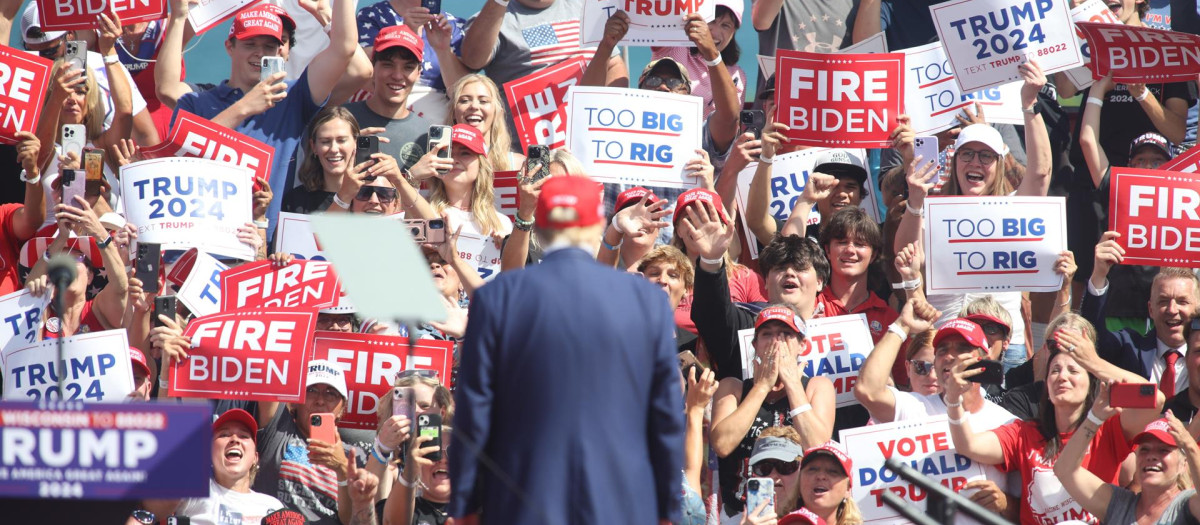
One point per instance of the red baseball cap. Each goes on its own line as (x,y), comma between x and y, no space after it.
(569,202)
(467,135)
(240,416)
(288,21)
(256,22)
(633,195)
(980,318)
(830,448)
(963,328)
(139,360)
(402,36)
(1158,429)
(801,516)
(781,313)
(697,194)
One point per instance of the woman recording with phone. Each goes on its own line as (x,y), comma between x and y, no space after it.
(1032,448)
(405,503)
(461,185)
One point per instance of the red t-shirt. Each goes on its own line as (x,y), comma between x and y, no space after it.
(1046,501)
(88,323)
(879,317)
(10,247)
(746,286)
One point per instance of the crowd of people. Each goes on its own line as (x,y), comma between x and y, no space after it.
(542,440)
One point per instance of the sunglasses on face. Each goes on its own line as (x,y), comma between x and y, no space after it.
(985,157)
(993,329)
(921,368)
(418,373)
(763,468)
(653,82)
(386,195)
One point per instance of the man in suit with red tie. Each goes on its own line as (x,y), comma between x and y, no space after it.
(568,402)
(1158,355)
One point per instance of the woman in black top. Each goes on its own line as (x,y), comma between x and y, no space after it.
(330,143)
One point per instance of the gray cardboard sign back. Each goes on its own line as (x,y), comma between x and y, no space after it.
(381,267)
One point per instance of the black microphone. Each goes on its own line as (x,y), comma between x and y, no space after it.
(61,271)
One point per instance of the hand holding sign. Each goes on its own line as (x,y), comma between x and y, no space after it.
(697,31)
(1034,79)
(109,30)
(615,29)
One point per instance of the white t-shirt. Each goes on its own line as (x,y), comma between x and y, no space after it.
(915,406)
(227,507)
(470,225)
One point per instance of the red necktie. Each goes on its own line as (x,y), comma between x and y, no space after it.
(1167,384)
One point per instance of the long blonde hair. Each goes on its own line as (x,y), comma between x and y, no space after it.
(998,187)
(93,114)
(498,140)
(483,207)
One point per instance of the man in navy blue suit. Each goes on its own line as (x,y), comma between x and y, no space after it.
(1158,355)
(568,402)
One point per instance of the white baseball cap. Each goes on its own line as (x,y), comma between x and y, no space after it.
(984,134)
(29,20)
(321,371)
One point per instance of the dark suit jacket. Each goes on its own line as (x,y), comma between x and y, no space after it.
(570,383)
(1123,348)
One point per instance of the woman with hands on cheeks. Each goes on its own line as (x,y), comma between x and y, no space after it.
(1032,448)
(1167,460)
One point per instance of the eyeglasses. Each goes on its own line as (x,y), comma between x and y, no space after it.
(921,368)
(673,84)
(329,394)
(386,195)
(432,374)
(763,468)
(328,320)
(985,157)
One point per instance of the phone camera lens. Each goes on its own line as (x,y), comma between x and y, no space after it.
(753,484)
(316,421)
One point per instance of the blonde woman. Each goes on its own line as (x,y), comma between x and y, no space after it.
(460,189)
(475,101)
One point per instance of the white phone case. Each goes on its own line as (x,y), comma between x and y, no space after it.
(74,136)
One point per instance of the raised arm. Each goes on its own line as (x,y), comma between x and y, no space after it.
(597,71)
(919,172)
(28,218)
(764,12)
(1089,131)
(699,395)
(328,67)
(722,123)
(480,42)
(109,304)
(118,82)
(516,248)
(1038,157)
(168,70)
(818,188)
(814,425)
(1170,120)
(732,415)
(983,447)
(1092,493)
(758,203)
(872,387)
(867,21)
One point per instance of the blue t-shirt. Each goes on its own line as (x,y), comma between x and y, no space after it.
(375,17)
(281,127)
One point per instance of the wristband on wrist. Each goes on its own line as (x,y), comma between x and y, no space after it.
(912,285)
(706,260)
(611,247)
(112,59)
(714,62)
(25,178)
(162,383)
(914,212)
(1095,101)
(382,448)
(1092,417)
(378,457)
(959,421)
(800,410)
(1145,94)
(613,223)
(898,329)
(104,244)
(503,3)
(344,482)
(337,201)
(400,479)
(766,159)
(952,405)
(522,224)
(263,224)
